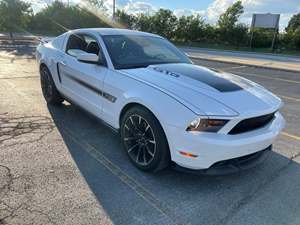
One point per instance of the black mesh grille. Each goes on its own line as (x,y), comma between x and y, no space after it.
(252,124)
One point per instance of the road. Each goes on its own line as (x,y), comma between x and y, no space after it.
(60,166)
(265,60)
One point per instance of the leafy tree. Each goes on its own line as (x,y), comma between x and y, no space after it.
(190,28)
(125,19)
(291,38)
(163,22)
(262,37)
(294,23)
(59,17)
(210,34)
(14,15)
(228,19)
(229,31)
(143,23)
(239,35)
(296,38)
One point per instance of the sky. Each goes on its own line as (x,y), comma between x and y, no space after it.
(210,10)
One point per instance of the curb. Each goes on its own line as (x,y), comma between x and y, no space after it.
(242,52)
(244,64)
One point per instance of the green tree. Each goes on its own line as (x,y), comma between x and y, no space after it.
(296,38)
(164,22)
(59,17)
(239,35)
(143,23)
(229,18)
(291,38)
(294,23)
(14,15)
(190,28)
(229,31)
(125,19)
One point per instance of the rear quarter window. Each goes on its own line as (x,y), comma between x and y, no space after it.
(58,42)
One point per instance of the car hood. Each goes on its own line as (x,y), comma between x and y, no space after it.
(208,92)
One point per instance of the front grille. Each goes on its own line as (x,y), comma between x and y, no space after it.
(252,124)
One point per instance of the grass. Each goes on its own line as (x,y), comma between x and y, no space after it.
(235,48)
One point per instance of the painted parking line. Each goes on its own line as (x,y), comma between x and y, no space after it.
(290,98)
(295,137)
(138,188)
(234,67)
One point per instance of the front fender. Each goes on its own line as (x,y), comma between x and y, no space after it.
(166,109)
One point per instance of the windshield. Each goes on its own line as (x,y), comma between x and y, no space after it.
(133,51)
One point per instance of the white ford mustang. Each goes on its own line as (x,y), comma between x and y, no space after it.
(165,108)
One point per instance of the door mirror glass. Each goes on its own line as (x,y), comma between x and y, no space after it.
(88,58)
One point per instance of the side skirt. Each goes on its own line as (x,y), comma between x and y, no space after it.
(115,130)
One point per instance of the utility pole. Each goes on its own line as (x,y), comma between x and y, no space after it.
(114,8)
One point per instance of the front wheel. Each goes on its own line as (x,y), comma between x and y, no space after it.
(144,140)
(49,89)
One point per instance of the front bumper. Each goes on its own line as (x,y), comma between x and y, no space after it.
(231,165)
(211,148)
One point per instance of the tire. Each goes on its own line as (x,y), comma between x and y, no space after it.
(144,140)
(49,89)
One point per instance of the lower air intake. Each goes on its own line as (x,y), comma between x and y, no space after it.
(252,124)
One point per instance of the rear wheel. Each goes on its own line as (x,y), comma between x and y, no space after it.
(144,140)
(49,89)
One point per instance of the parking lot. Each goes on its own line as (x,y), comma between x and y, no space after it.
(60,166)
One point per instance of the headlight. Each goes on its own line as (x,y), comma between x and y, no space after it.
(206,125)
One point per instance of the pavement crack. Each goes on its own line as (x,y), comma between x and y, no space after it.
(19,129)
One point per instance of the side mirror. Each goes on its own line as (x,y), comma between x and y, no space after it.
(88,58)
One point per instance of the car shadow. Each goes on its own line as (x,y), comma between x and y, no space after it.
(262,195)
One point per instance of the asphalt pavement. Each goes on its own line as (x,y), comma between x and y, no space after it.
(60,166)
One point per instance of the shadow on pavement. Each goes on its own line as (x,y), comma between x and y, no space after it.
(266,194)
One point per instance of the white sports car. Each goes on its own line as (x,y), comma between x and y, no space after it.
(165,108)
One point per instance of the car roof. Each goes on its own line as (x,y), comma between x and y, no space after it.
(114,31)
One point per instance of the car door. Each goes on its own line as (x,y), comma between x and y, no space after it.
(82,82)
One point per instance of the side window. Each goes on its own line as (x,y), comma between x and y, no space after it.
(92,45)
(78,43)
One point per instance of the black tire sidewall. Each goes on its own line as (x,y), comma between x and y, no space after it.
(162,155)
(55,98)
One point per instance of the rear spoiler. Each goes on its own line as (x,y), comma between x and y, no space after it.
(46,40)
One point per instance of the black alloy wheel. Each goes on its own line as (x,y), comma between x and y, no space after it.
(49,89)
(144,140)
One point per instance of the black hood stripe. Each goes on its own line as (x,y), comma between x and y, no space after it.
(197,73)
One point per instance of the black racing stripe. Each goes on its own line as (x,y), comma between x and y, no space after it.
(202,75)
(86,85)
(105,95)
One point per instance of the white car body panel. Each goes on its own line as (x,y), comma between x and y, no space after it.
(174,98)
